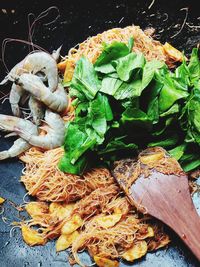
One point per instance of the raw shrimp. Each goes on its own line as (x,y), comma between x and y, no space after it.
(37,110)
(56,101)
(14,124)
(19,146)
(55,129)
(37,62)
(43,65)
(43,62)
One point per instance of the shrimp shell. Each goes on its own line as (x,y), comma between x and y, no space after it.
(14,124)
(37,110)
(56,101)
(14,98)
(19,146)
(37,62)
(55,132)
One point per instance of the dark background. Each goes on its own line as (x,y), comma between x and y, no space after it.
(74,22)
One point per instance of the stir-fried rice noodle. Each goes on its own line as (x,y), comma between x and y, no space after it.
(108,226)
(43,179)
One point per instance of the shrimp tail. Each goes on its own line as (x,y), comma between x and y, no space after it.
(16,149)
(4,155)
(55,132)
(4,81)
(56,53)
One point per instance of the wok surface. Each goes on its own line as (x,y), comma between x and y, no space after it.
(77,21)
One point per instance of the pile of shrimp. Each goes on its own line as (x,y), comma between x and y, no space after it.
(101,221)
(35,78)
(143,42)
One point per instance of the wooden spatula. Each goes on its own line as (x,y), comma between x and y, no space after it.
(156,184)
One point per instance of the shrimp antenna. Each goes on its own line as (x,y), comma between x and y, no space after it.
(45,13)
(31,27)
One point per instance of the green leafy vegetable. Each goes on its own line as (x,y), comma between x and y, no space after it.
(110,85)
(85,79)
(125,65)
(194,66)
(170,94)
(178,151)
(117,144)
(191,117)
(106,68)
(124,103)
(136,117)
(128,90)
(111,52)
(149,70)
(78,168)
(166,141)
(130,44)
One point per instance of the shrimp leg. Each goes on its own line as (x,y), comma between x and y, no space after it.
(19,146)
(37,110)
(14,98)
(55,132)
(56,101)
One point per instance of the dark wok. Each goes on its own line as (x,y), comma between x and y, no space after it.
(77,21)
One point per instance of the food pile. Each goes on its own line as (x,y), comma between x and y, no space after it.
(113,95)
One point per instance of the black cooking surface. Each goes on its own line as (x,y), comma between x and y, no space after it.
(69,24)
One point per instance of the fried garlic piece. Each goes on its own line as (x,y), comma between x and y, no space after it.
(32,237)
(172,52)
(138,250)
(2,200)
(36,208)
(73,224)
(65,241)
(108,221)
(61,211)
(104,262)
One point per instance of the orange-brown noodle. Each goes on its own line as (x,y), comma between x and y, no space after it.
(84,212)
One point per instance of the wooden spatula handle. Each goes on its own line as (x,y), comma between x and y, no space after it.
(167,198)
(182,216)
(187,226)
